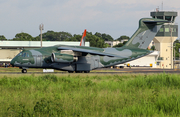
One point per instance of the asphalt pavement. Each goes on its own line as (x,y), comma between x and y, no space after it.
(111,71)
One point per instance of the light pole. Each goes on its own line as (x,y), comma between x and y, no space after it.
(170,28)
(172,65)
(41,27)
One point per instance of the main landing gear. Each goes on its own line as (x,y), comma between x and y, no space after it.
(24,71)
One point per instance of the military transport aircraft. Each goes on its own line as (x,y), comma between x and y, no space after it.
(84,59)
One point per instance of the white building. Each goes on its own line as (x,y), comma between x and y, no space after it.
(146,61)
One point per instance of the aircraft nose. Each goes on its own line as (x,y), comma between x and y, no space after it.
(12,62)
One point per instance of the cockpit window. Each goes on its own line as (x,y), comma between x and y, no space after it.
(20,54)
(23,54)
(27,55)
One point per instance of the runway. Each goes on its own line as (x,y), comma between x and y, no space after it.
(140,70)
(108,71)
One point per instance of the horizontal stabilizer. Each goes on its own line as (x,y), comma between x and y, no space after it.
(152,22)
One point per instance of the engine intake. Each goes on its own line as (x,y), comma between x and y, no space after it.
(63,58)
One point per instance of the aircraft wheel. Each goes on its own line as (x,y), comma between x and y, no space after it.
(24,71)
(70,71)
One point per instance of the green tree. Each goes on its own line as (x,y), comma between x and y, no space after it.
(23,37)
(105,37)
(95,41)
(37,38)
(153,48)
(122,37)
(2,37)
(56,36)
(98,34)
(124,42)
(119,45)
(176,47)
(74,38)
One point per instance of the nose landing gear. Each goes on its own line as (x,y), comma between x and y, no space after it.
(24,71)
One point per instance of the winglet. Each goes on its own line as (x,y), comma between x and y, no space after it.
(83,39)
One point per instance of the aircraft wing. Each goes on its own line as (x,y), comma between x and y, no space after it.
(88,51)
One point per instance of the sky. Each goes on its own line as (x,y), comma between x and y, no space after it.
(113,17)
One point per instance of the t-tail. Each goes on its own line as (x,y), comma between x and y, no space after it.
(148,28)
(83,39)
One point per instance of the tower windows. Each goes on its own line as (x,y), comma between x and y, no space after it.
(166,29)
(168,18)
(173,18)
(159,17)
(174,30)
(161,30)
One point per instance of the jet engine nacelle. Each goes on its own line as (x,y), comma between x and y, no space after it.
(63,58)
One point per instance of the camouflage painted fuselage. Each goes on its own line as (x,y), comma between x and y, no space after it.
(42,58)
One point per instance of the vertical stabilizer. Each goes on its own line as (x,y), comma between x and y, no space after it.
(83,39)
(148,28)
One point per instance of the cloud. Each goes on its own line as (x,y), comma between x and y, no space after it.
(114,17)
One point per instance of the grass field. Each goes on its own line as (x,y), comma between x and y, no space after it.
(89,95)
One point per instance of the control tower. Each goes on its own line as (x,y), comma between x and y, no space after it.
(165,38)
